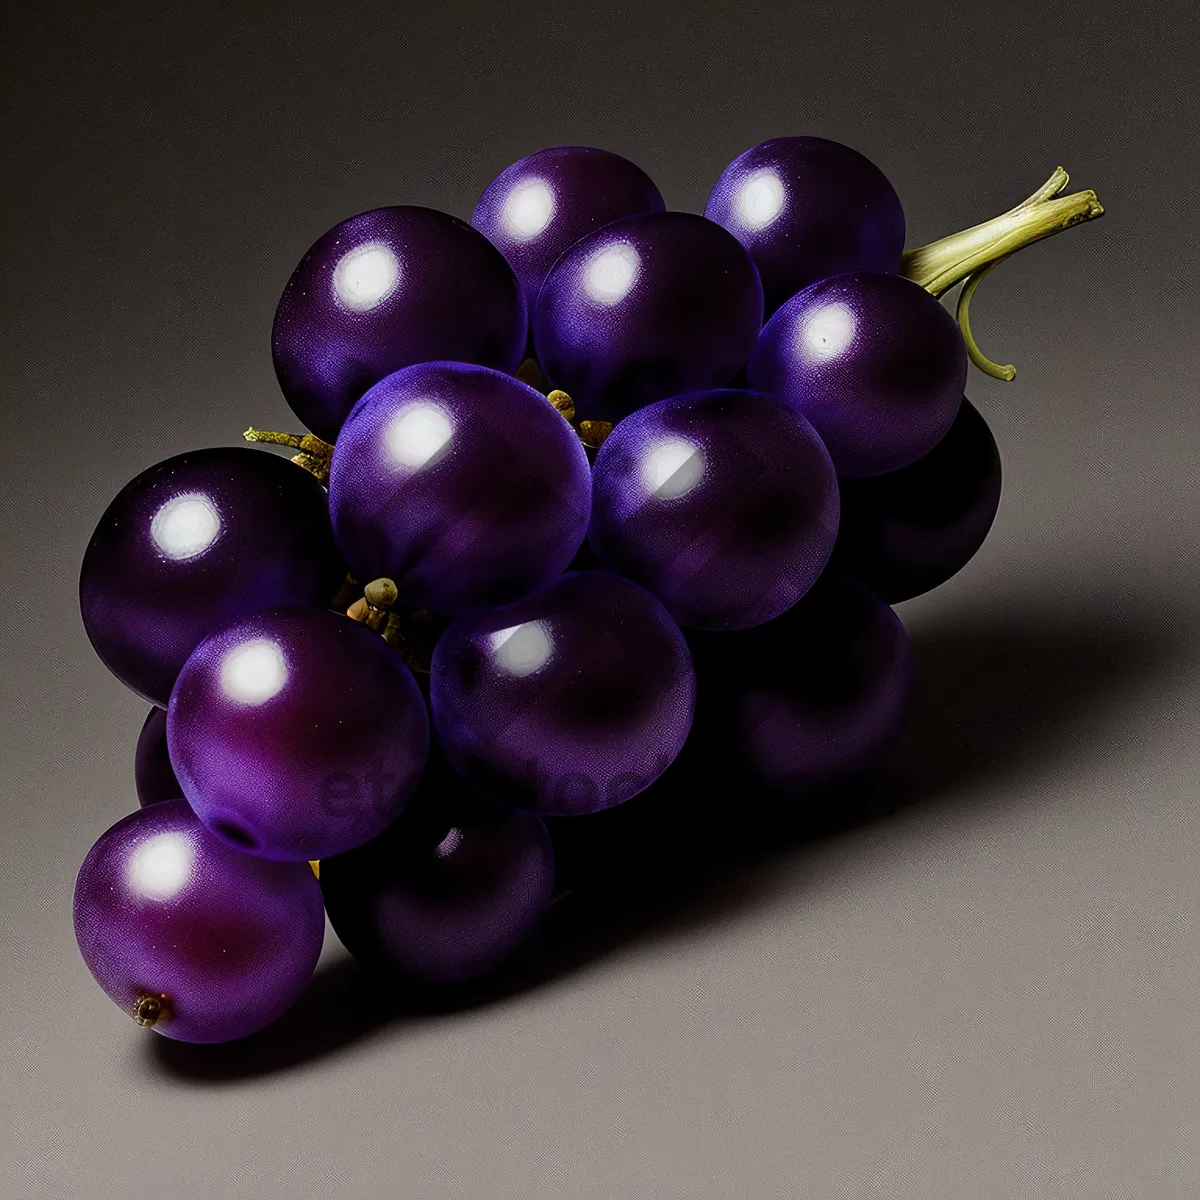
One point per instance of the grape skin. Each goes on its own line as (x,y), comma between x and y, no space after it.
(647,307)
(911,530)
(296,733)
(383,290)
(723,504)
(153,776)
(446,893)
(873,361)
(461,484)
(543,204)
(811,699)
(571,701)
(194,541)
(807,208)
(164,909)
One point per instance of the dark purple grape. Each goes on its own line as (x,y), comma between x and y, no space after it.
(153,775)
(461,484)
(812,698)
(540,206)
(195,541)
(906,532)
(200,941)
(807,208)
(297,733)
(386,289)
(647,307)
(873,361)
(446,893)
(724,504)
(569,702)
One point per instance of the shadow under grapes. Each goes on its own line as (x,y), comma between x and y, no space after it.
(1001,693)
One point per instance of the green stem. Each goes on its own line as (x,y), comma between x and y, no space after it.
(938,266)
(1007,372)
(966,257)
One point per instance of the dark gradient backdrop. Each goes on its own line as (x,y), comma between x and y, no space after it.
(992,992)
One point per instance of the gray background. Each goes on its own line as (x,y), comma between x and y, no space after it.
(990,988)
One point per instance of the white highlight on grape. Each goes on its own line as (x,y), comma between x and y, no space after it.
(826,332)
(672,467)
(522,649)
(365,276)
(528,209)
(418,435)
(254,671)
(161,865)
(611,273)
(185,526)
(760,199)
(449,843)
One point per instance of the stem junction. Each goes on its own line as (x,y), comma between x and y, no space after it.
(314,454)
(410,633)
(591,433)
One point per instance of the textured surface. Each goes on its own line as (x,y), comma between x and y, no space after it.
(813,697)
(873,361)
(992,993)
(195,540)
(647,307)
(462,485)
(910,530)
(296,733)
(545,202)
(807,208)
(723,504)
(448,892)
(223,941)
(385,289)
(569,702)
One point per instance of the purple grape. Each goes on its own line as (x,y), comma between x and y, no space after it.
(386,289)
(807,208)
(153,775)
(202,942)
(569,702)
(461,484)
(723,504)
(448,892)
(906,532)
(647,307)
(296,733)
(812,698)
(540,206)
(195,541)
(873,361)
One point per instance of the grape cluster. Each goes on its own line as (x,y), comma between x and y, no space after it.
(589,483)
